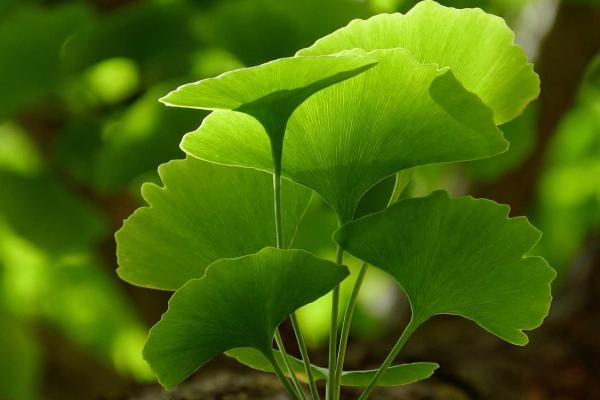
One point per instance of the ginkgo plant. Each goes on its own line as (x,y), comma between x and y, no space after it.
(368,101)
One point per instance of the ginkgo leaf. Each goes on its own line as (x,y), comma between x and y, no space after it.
(238,303)
(397,375)
(460,256)
(345,138)
(271,92)
(478,47)
(203,213)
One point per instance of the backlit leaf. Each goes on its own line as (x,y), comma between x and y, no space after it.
(345,138)
(271,92)
(478,48)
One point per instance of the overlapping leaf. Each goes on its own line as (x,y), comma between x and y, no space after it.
(401,374)
(238,303)
(478,47)
(458,256)
(292,77)
(271,92)
(347,137)
(203,213)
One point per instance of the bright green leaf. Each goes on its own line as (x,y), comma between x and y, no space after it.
(347,137)
(460,256)
(203,213)
(402,374)
(289,79)
(271,92)
(238,303)
(478,48)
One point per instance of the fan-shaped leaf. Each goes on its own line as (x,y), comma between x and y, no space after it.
(271,92)
(478,47)
(238,303)
(458,256)
(285,78)
(347,137)
(203,213)
(401,374)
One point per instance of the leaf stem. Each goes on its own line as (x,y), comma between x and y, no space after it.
(298,333)
(333,332)
(402,179)
(288,365)
(281,376)
(314,392)
(346,327)
(408,331)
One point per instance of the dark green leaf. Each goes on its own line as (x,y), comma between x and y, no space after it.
(238,303)
(458,256)
(203,213)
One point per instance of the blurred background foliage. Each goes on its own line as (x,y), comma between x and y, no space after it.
(81,129)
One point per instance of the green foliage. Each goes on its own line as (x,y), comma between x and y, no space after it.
(34,69)
(46,214)
(371,101)
(458,256)
(285,26)
(346,116)
(156,40)
(397,375)
(204,212)
(341,161)
(271,92)
(520,132)
(238,303)
(476,46)
(287,80)
(19,361)
(81,128)
(569,194)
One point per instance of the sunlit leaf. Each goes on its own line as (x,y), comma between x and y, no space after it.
(238,303)
(459,256)
(271,92)
(402,374)
(347,137)
(203,213)
(478,48)
(289,80)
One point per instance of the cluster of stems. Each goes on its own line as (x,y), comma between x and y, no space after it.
(337,350)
